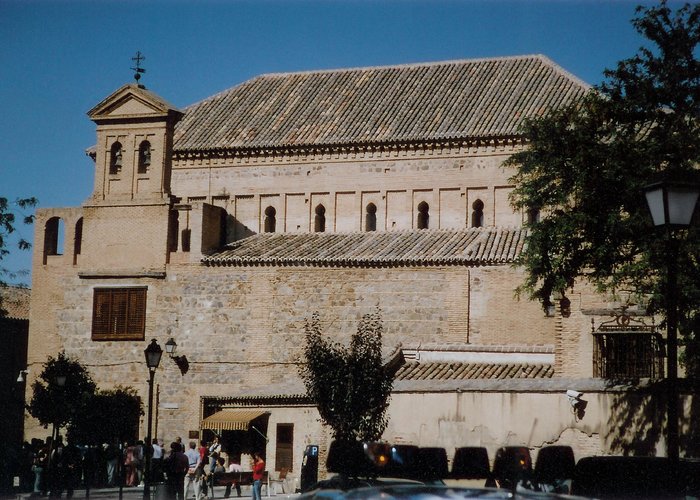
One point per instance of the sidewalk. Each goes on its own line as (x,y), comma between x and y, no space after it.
(133,493)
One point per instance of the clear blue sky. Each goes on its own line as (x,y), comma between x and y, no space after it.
(59,58)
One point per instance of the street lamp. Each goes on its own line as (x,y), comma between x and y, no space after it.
(153,353)
(672,205)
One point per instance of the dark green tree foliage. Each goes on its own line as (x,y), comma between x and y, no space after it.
(349,385)
(91,416)
(112,414)
(55,404)
(586,166)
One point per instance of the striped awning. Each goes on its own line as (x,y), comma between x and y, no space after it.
(231,420)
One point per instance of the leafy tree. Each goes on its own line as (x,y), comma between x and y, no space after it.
(53,404)
(586,166)
(112,414)
(350,386)
(8,225)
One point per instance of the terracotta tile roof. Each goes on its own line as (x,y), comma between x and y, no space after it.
(473,371)
(462,99)
(15,301)
(479,246)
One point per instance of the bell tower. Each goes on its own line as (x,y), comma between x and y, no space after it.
(127,216)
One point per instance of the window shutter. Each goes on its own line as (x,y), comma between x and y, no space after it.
(119,313)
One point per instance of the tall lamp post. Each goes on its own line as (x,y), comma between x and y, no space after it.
(672,205)
(153,353)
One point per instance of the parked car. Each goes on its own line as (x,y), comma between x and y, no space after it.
(383,471)
(614,477)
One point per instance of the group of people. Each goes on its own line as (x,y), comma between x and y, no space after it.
(52,469)
(196,467)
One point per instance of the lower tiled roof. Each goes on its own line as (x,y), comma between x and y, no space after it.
(473,371)
(14,302)
(471,247)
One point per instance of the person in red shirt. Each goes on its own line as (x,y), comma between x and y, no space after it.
(258,471)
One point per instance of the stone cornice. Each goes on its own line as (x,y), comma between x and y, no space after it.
(293,153)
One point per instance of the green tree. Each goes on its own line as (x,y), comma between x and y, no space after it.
(349,386)
(586,166)
(112,414)
(56,404)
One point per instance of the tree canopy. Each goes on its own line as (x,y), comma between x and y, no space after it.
(350,386)
(53,403)
(91,416)
(586,166)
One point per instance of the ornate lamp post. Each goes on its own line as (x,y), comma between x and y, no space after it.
(672,205)
(153,353)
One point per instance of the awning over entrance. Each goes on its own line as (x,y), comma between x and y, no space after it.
(231,420)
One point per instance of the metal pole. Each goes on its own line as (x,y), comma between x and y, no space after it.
(147,469)
(672,445)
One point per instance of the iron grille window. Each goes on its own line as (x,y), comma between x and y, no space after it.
(627,350)
(119,313)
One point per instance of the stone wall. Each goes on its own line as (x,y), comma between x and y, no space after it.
(243,328)
(395,181)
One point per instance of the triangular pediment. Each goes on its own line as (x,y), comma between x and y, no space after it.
(131,102)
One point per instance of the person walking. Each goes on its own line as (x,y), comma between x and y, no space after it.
(176,466)
(193,460)
(41,456)
(258,472)
(156,462)
(111,454)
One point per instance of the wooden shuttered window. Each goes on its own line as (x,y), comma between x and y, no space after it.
(119,313)
(285,447)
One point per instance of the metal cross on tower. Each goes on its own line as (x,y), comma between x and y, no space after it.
(138,58)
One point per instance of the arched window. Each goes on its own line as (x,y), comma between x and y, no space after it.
(478,213)
(320,219)
(144,157)
(423,215)
(533,216)
(270,219)
(371,217)
(53,237)
(115,158)
(78,240)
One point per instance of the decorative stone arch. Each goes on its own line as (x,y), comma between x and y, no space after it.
(144,159)
(320,219)
(533,216)
(477,214)
(423,221)
(115,158)
(54,232)
(371,217)
(270,224)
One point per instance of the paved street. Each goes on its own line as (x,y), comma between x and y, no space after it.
(134,493)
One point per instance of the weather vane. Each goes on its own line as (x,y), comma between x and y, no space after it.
(138,67)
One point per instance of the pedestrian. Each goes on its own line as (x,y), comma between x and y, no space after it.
(175,467)
(214,452)
(156,462)
(193,460)
(111,453)
(130,463)
(258,472)
(41,456)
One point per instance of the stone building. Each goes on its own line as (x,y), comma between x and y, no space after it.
(14,329)
(226,224)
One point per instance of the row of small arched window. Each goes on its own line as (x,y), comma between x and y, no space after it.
(423,217)
(144,158)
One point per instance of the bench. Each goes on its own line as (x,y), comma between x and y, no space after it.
(241,478)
